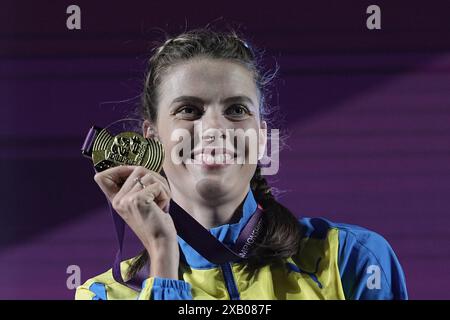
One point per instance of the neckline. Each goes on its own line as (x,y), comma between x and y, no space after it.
(226,233)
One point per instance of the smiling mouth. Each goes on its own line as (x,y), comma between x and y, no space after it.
(212,157)
(209,159)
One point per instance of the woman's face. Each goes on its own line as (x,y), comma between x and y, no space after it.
(212,100)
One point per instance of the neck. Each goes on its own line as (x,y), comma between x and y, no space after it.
(209,213)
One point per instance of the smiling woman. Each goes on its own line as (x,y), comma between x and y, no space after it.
(208,79)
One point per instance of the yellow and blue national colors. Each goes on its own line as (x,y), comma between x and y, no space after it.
(335,261)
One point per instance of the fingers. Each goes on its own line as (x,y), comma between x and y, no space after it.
(110,181)
(120,180)
(161,179)
(146,176)
(120,186)
(129,184)
(139,202)
(153,192)
(142,173)
(152,177)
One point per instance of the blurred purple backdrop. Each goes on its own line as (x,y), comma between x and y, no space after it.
(368,114)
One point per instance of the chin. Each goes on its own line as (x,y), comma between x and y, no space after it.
(212,188)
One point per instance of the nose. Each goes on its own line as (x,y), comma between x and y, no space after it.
(212,126)
(212,135)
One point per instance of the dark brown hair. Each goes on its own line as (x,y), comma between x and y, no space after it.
(280,236)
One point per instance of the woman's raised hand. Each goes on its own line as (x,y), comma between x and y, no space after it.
(141,197)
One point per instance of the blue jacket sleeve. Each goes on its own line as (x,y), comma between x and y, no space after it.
(368,266)
(156,288)
(153,288)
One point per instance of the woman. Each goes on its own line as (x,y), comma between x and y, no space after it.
(213,78)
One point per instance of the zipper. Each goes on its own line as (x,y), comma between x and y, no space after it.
(229,281)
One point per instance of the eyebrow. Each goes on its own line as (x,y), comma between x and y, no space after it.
(240,98)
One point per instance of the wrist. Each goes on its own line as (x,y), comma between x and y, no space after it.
(162,247)
(164,263)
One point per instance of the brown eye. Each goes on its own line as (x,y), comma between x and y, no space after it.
(188,111)
(237,110)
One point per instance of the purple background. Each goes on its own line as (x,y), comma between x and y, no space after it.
(368,114)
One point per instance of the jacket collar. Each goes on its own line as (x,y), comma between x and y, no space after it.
(226,233)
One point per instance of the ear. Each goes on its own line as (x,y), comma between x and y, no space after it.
(262,139)
(149,130)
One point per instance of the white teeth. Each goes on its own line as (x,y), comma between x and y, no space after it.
(219,158)
(227,158)
(198,158)
(210,159)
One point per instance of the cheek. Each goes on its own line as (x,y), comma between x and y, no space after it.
(175,139)
(165,137)
(247,139)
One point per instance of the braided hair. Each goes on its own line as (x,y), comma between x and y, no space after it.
(281,233)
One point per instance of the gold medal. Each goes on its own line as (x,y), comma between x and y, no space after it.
(125,148)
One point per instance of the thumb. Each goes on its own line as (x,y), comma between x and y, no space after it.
(110,181)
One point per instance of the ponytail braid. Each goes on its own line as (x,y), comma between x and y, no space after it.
(281,232)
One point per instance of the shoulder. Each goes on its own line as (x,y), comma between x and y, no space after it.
(104,287)
(349,235)
(368,266)
(95,287)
